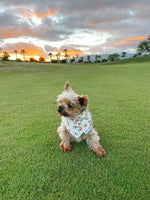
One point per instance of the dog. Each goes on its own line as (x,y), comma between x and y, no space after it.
(76,124)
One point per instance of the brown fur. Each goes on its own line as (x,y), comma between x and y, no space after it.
(83,100)
(77,103)
(65,149)
(66,87)
(99,151)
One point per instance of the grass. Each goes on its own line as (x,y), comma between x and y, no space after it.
(129,61)
(31,164)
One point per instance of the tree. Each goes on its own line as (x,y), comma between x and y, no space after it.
(0,53)
(88,58)
(80,60)
(33,59)
(139,53)
(16,52)
(66,55)
(23,52)
(143,47)
(41,59)
(123,54)
(72,60)
(104,60)
(63,61)
(5,56)
(53,61)
(135,55)
(58,56)
(97,58)
(113,57)
(50,56)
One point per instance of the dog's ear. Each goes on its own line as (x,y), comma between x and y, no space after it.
(83,100)
(66,87)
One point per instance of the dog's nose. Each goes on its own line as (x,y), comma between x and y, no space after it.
(60,109)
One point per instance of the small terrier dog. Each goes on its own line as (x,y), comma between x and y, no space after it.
(76,122)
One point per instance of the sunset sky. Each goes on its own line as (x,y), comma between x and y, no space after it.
(83,27)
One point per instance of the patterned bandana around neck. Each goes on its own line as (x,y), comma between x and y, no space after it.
(81,124)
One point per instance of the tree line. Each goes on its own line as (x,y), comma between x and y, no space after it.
(143,49)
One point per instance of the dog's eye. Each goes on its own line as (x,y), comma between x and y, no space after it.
(69,105)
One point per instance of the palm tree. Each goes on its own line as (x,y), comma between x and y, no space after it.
(66,55)
(23,53)
(16,54)
(50,56)
(0,53)
(58,56)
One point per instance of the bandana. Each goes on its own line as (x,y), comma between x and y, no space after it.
(81,124)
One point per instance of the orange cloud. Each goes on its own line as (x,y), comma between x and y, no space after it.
(130,40)
(29,14)
(93,23)
(68,13)
(31,50)
(105,30)
(16,32)
(50,12)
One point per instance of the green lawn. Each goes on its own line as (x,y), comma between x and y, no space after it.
(31,164)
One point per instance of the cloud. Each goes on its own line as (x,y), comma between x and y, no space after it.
(85,25)
(49,48)
(8,20)
(27,13)
(128,44)
(131,40)
(1,42)
(31,50)
(49,12)
(17,32)
(70,52)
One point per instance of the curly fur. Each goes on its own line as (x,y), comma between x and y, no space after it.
(77,103)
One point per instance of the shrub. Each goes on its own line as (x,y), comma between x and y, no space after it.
(104,60)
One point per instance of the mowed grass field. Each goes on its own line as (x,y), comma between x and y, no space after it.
(31,164)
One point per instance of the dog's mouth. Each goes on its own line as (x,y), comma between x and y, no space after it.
(65,114)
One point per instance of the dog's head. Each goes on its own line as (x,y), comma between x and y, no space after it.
(69,103)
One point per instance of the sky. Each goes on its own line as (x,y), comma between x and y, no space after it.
(83,27)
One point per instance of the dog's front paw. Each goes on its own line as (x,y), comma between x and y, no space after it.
(65,148)
(100,152)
